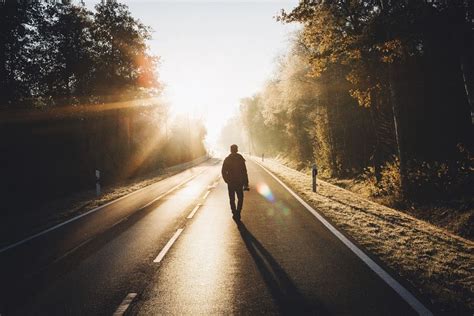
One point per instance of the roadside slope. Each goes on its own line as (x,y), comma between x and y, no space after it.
(21,225)
(439,264)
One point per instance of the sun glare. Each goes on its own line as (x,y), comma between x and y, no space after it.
(198,103)
(210,58)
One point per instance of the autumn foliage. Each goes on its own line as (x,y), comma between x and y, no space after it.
(374,85)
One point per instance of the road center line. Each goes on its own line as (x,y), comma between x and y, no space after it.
(168,245)
(169,191)
(387,278)
(205,195)
(125,304)
(193,211)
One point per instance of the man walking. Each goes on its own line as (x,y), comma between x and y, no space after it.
(234,173)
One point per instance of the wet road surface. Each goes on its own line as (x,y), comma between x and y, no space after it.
(278,260)
(183,254)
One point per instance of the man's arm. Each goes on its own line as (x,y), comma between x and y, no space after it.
(244,172)
(224,170)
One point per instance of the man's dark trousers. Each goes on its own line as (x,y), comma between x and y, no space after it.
(233,190)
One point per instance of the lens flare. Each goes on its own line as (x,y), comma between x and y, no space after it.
(265,191)
(283,208)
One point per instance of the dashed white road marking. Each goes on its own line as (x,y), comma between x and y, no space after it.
(193,211)
(168,245)
(387,278)
(205,195)
(168,192)
(125,304)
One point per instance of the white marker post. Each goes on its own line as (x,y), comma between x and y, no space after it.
(97,182)
(314,173)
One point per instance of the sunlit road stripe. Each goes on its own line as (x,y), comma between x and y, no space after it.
(167,247)
(193,211)
(125,304)
(215,183)
(394,284)
(169,191)
(205,195)
(93,211)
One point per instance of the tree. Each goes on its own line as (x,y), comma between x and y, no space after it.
(13,23)
(123,66)
(63,54)
(71,29)
(382,44)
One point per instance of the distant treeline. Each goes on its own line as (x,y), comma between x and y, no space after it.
(55,54)
(375,88)
(56,152)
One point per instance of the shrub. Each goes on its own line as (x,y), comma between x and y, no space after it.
(426,181)
(442,180)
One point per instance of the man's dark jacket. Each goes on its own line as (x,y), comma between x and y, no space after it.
(234,171)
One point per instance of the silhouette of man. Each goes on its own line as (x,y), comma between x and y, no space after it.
(234,173)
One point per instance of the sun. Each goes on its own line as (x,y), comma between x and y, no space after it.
(197,103)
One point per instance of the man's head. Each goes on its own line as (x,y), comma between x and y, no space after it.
(234,148)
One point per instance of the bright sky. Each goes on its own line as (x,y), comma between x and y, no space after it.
(214,53)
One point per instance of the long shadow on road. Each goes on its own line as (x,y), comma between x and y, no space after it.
(286,295)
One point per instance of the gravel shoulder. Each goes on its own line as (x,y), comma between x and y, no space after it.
(436,262)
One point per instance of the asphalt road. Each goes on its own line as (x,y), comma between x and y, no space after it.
(183,254)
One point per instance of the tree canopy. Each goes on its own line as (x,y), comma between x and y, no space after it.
(369,84)
(61,54)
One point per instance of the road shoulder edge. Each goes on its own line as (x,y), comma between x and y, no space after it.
(188,165)
(401,290)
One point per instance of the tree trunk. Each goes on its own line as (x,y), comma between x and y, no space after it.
(398,130)
(376,159)
(468,83)
(3,78)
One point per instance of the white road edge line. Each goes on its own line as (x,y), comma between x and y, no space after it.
(168,245)
(18,243)
(125,304)
(387,278)
(193,211)
(205,195)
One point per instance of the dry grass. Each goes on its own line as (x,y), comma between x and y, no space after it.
(456,216)
(436,262)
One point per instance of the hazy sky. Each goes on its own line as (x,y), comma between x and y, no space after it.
(214,53)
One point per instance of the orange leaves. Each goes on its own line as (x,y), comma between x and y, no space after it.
(390,50)
(146,66)
(354,54)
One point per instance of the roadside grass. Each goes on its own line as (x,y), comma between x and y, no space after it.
(456,216)
(26,223)
(439,264)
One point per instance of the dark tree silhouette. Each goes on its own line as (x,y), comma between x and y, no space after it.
(61,54)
